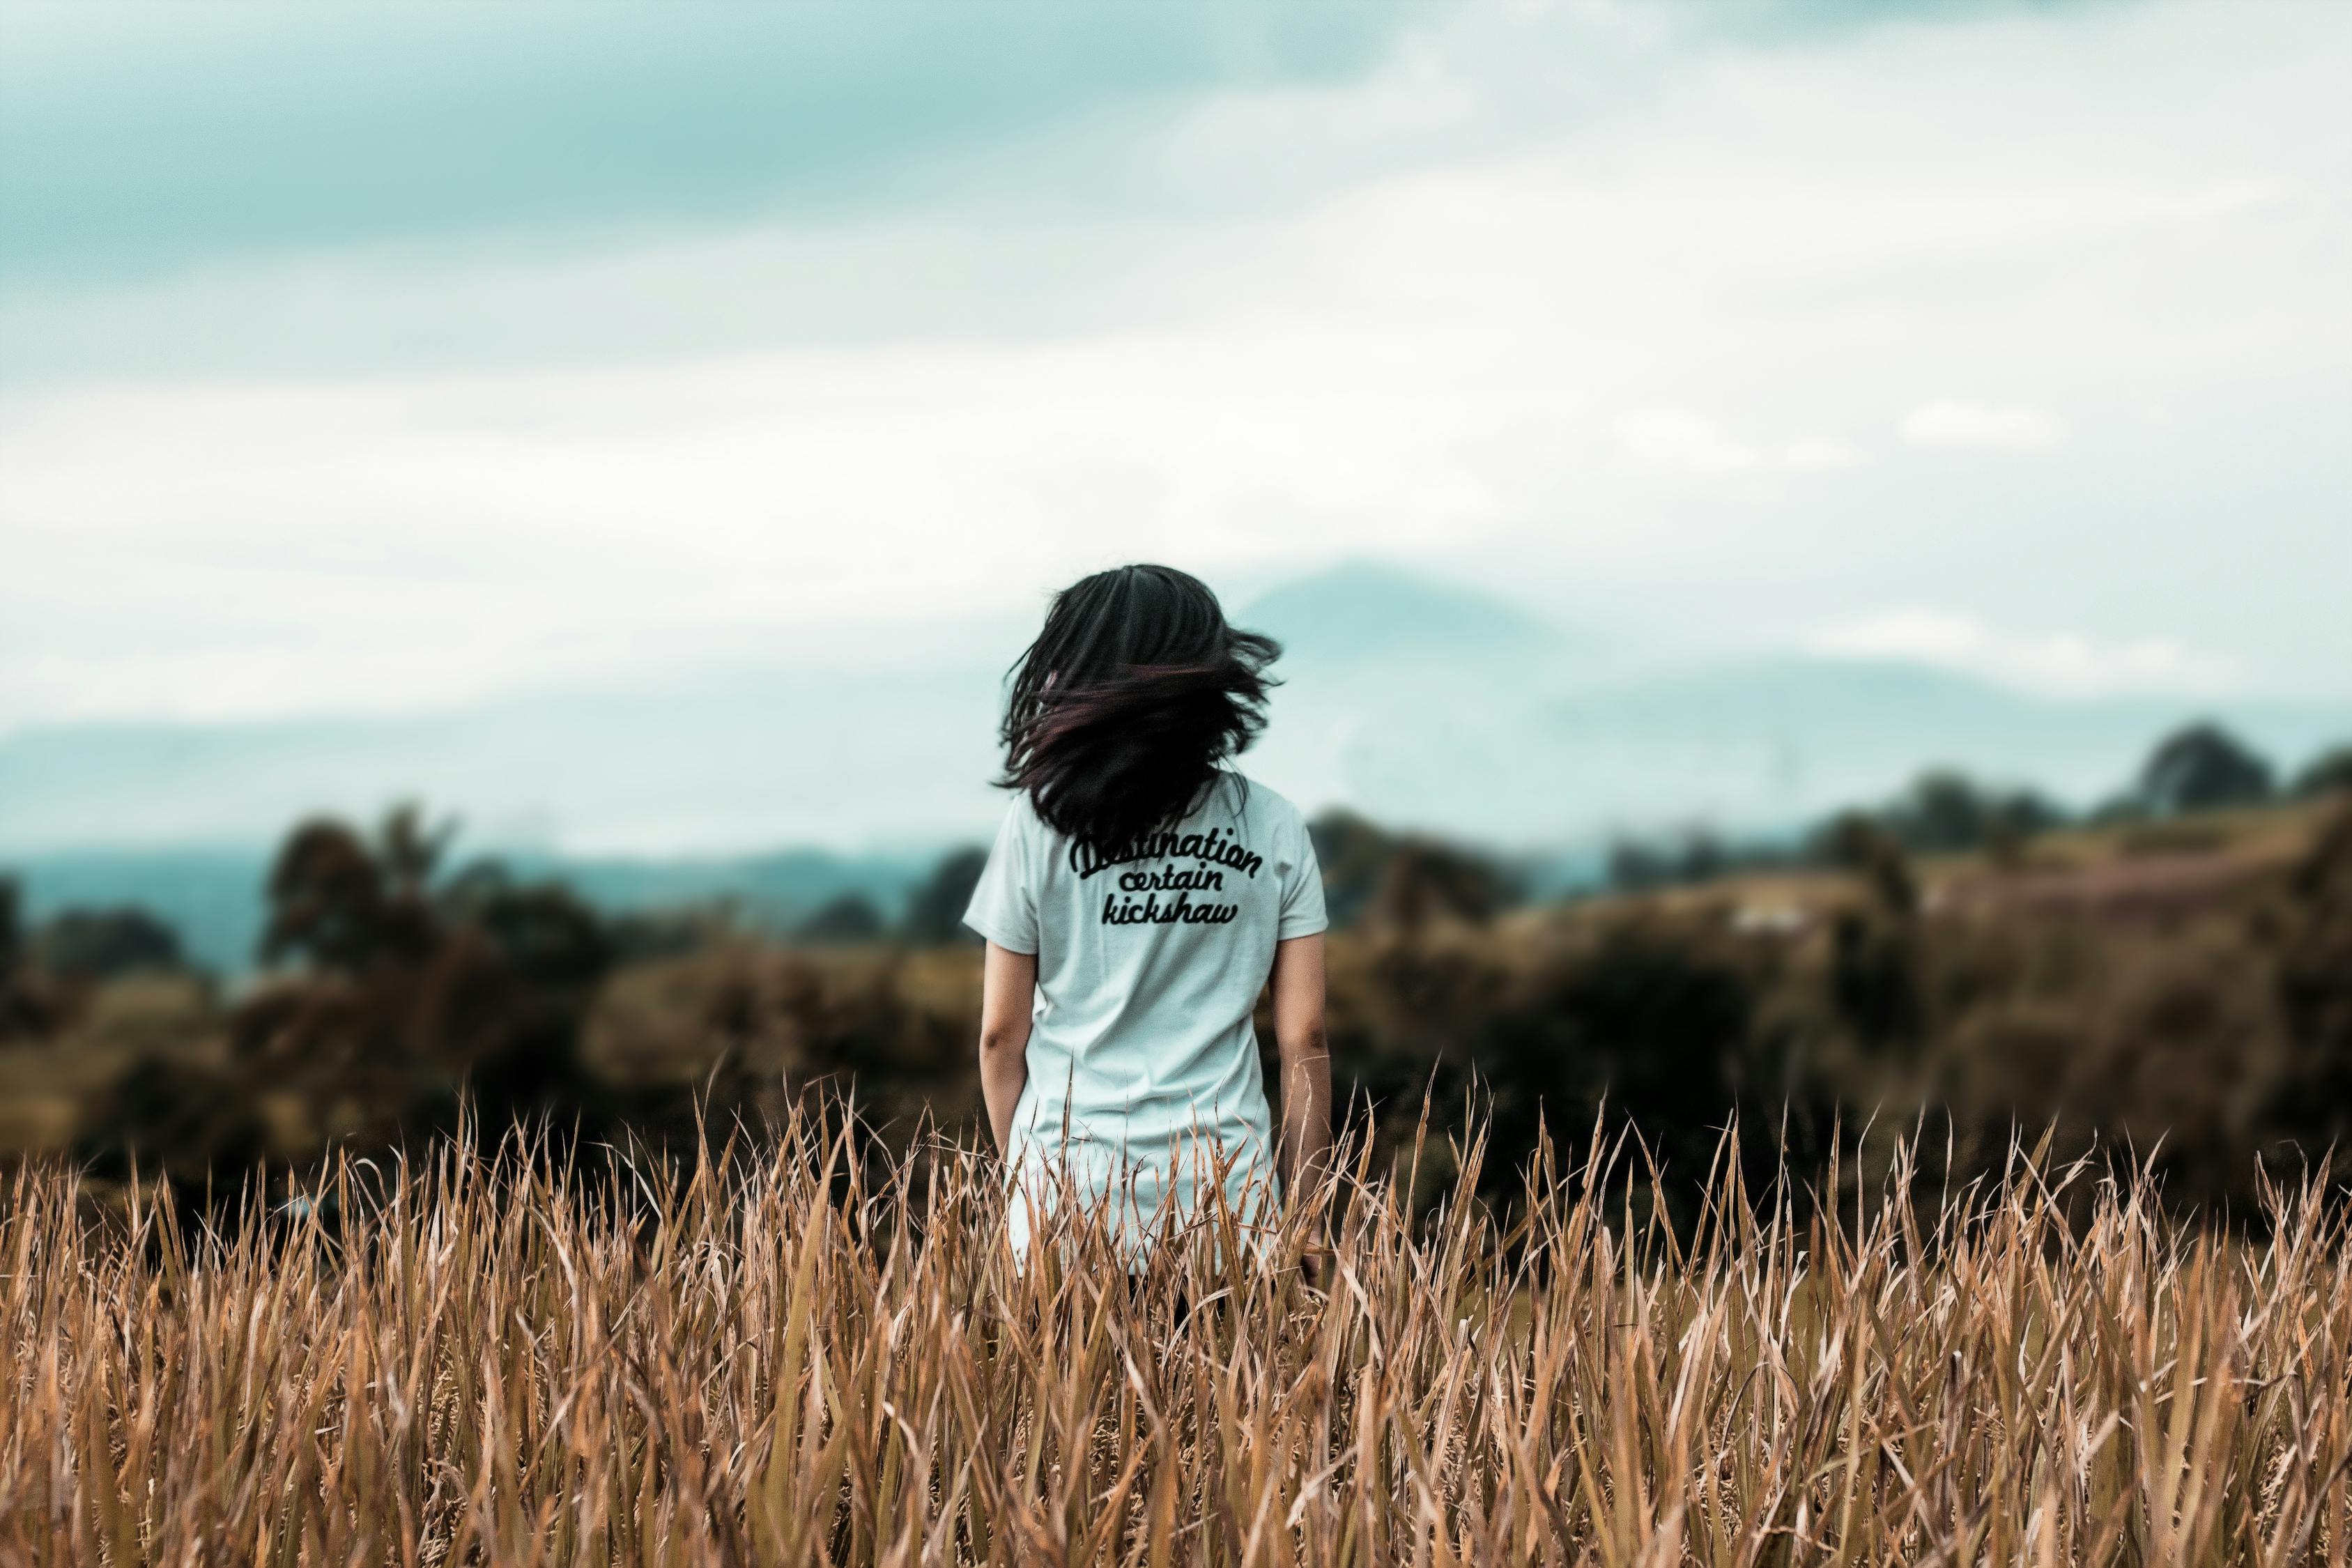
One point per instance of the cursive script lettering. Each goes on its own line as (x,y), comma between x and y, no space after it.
(1151,912)
(1212,847)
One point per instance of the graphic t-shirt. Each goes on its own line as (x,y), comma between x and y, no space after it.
(1143,1062)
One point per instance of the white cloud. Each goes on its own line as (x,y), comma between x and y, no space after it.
(427,540)
(651,449)
(1682,441)
(1821,455)
(2006,430)
(1666,438)
(2058,664)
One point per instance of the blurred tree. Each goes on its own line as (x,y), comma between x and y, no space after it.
(2015,821)
(2006,835)
(410,851)
(1425,882)
(1873,980)
(2203,768)
(22,1010)
(2026,814)
(935,914)
(2315,987)
(342,905)
(416,991)
(2330,773)
(2120,810)
(541,929)
(1947,812)
(1857,842)
(1699,854)
(1874,959)
(1943,811)
(1403,880)
(1659,1026)
(1354,854)
(102,944)
(851,918)
(1703,857)
(639,936)
(1635,866)
(180,1118)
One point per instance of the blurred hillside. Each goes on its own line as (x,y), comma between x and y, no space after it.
(2170,978)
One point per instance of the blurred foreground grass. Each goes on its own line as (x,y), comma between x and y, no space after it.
(802,1355)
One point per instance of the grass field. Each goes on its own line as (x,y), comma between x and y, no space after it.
(785,1358)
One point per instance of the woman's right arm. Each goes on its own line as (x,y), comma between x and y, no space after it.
(1008,993)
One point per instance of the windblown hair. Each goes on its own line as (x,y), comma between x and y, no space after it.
(1122,711)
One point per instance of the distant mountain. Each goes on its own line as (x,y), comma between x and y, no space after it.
(211,897)
(1789,737)
(1420,702)
(1364,608)
(785,757)
(774,891)
(1515,748)
(215,897)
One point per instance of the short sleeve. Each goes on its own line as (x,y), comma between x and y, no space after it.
(1003,906)
(1302,889)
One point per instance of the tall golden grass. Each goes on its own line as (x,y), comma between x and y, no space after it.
(799,1356)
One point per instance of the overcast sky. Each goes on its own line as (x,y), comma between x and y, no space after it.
(390,358)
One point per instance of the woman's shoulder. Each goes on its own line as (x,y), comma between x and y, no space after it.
(1262,803)
(1022,821)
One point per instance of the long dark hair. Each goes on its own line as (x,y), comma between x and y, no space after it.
(1123,708)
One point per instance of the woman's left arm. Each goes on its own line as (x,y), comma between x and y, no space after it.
(1304,1051)
(1008,992)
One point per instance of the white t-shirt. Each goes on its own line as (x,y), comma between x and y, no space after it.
(1143,1063)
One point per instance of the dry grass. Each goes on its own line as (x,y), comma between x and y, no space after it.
(501,1360)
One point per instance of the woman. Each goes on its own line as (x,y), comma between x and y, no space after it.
(1139,895)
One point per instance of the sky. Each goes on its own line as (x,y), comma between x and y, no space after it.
(396,359)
